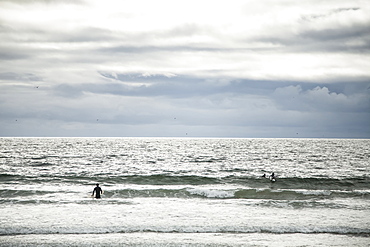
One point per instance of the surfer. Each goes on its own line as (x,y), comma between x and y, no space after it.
(272,177)
(98,191)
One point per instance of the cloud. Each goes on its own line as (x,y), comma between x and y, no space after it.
(44,1)
(248,69)
(339,29)
(321,99)
(329,13)
(19,77)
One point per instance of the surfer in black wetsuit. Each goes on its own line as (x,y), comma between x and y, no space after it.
(272,177)
(98,191)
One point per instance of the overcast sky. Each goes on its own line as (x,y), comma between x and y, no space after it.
(251,68)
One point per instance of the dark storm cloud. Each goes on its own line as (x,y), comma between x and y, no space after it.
(233,85)
(337,39)
(180,85)
(156,86)
(348,39)
(288,95)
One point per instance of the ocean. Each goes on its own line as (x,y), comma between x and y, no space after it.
(184,192)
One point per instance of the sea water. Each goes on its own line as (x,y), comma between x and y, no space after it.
(184,192)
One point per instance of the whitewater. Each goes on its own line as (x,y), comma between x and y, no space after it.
(184,192)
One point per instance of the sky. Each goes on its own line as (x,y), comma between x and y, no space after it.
(163,68)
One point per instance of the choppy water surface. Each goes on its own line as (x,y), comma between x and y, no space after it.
(176,192)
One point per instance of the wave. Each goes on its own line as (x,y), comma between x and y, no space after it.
(193,229)
(355,183)
(295,198)
(22,193)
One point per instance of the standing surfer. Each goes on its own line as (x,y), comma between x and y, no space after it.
(98,191)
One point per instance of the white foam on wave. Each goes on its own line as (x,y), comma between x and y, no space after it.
(315,192)
(212,193)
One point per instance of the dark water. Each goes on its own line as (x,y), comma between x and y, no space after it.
(192,192)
